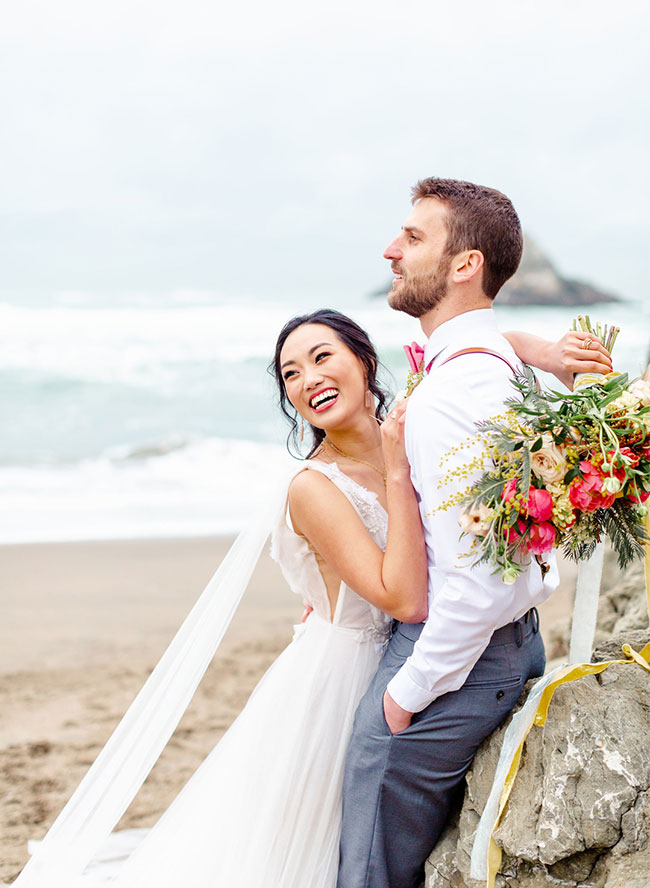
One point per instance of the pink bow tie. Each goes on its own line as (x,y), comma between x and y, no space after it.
(415,356)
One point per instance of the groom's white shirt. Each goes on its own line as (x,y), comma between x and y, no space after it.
(466,604)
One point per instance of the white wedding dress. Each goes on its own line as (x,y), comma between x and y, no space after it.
(264,808)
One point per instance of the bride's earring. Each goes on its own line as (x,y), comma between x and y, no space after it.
(368,399)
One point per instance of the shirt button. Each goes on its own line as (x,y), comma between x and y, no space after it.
(500,694)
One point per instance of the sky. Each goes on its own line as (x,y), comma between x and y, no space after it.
(269,148)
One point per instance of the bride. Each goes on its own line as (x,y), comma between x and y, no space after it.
(264,807)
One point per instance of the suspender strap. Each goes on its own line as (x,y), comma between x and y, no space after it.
(485,351)
(476,351)
(479,351)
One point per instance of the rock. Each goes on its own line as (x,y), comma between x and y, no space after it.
(537,282)
(579,812)
(622,606)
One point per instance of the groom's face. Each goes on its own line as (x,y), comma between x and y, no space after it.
(419,260)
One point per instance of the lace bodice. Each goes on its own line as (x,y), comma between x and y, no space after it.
(300,568)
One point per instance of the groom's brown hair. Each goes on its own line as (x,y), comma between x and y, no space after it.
(478,218)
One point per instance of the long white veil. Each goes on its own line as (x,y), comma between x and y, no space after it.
(122,766)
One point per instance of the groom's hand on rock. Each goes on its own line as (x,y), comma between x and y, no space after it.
(397,718)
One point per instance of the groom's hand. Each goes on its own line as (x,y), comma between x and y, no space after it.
(397,718)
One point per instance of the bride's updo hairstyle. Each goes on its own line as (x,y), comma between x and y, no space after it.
(357,340)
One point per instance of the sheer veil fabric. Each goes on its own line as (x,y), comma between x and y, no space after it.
(264,808)
(121,768)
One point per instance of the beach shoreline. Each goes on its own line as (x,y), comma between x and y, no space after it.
(84,623)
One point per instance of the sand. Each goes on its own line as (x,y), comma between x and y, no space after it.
(83,624)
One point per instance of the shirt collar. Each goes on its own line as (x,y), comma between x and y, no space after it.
(456,331)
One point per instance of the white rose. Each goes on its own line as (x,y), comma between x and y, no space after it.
(509,575)
(628,400)
(476,519)
(641,390)
(611,485)
(548,463)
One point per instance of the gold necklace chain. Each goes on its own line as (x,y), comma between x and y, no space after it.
(338,450)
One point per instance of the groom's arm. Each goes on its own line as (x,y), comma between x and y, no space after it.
(466,603)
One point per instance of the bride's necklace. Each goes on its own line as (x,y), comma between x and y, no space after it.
(338,450)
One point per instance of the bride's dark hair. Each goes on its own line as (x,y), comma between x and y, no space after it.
(357,340)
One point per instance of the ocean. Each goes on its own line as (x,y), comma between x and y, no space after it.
(155,416)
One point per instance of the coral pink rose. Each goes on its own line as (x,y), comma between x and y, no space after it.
(585,492)
(541,538)
(618,471)
(539,504)
(631,455)
(509,491)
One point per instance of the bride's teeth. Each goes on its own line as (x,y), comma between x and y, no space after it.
(322,396)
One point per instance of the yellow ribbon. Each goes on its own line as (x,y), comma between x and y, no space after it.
(647,562)
(564,676)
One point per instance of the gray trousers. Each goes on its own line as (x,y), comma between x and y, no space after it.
(398,788)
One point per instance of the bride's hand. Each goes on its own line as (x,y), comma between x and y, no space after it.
(392,441)
(568,356)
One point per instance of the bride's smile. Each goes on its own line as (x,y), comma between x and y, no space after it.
(324,380)
(324,399)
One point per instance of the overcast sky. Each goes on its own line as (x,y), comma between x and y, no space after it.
(269,147)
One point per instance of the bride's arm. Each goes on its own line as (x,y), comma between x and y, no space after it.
(405,558)
(395,580)
(564,357)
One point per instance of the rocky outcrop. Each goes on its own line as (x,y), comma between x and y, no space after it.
(537,282)
(621,608)
(579,813)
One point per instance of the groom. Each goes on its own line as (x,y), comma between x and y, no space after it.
(445,684)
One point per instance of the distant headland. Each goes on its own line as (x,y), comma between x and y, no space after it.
(537,282)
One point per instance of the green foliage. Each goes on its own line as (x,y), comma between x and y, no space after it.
(584,426)
(625,529)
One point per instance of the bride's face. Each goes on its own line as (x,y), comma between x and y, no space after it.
(323,378)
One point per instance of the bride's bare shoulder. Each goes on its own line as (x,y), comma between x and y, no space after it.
(318,507)
(308,479)
(311,483)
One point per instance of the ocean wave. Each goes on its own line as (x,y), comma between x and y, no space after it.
(134,345)
(128,453)
(146,345)
(200,487)
(133,382)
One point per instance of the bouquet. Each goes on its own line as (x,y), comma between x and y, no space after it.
(561,470)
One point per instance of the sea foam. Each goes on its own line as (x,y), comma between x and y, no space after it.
(201,488)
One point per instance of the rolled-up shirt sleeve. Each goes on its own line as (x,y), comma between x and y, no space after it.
(466,603)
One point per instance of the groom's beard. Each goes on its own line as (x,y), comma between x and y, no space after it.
(419,294)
